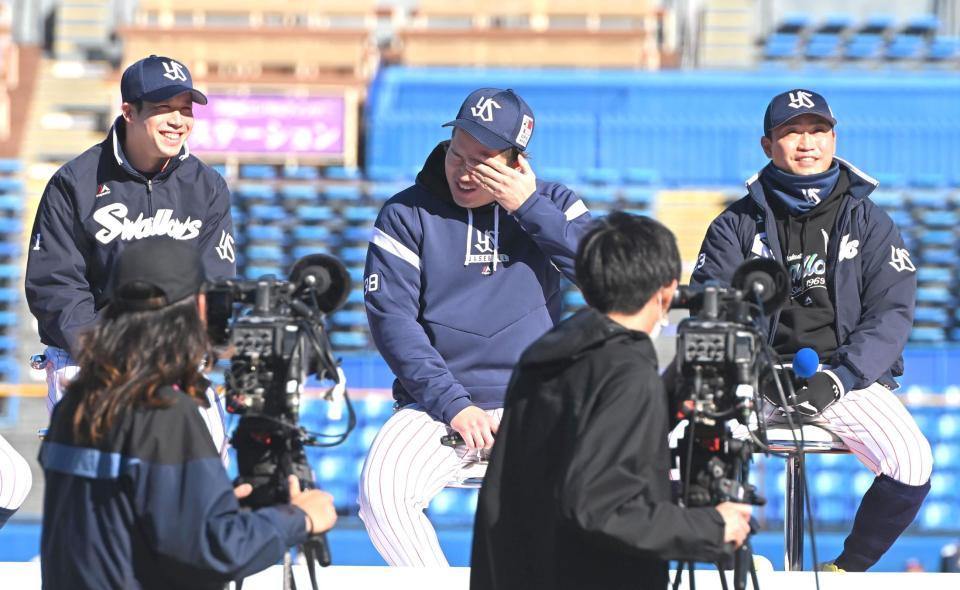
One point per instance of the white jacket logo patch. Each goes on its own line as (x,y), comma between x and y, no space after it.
(848,250)
(115,224)
(900,259)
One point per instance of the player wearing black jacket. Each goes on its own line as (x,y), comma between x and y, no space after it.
(577,494)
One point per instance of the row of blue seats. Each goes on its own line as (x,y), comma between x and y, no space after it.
(688,127)
(826,46)
(876,24)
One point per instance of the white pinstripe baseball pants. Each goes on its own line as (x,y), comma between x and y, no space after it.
(405,468)
(15,477)
(879,430)
(61,369)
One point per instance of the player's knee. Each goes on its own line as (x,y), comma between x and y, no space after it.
(926,463)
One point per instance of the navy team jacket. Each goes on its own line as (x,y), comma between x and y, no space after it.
(453,296)
(95,204)
(150,507)
(873,282)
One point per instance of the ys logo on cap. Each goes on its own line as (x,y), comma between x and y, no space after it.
(484,109)
(174,71)
(801,100)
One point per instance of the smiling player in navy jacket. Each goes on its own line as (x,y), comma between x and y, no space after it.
(463,273)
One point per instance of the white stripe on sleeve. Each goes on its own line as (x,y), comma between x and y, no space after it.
(575,210)
(389,244)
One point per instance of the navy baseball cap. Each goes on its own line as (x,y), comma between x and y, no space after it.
(793,103)
(153,273)
(156,78)
(499,119)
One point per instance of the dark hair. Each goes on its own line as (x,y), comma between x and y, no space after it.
(129,356)
(622,261)
(136,104)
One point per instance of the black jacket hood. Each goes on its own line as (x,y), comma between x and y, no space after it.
(432,177)
(582,332)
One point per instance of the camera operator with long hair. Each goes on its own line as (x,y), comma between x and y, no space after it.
(136,495)
(577,494)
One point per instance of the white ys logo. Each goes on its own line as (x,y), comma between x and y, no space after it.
(900,259)
(484,109)
(174,71)
(801,100)
(484,241)
(848,250)
(225,248)
(113,219)
(812,195)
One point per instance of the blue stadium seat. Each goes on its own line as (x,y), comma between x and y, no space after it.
(781,46)
(938,515)
(939,219)
(342,192)
(381,191)
(9,271)
(353,254)
(248,191)
(934,274)
(822,46)
(11,225)
(386,174)
(11,203)
(921,25)
(356,295)
(301,173)
(258,171)
(937,238)
(297,193)
(641,176)
(929,180)
(356,234)
(267,213)
(265,253)
(888,199)
(565,176)
(343,173)
(930,315)
(356,273)
(794,23)
(601,176)
(301,250)
(948,429)
(878,24)
(906,47)
(943,49)
(946,455)
(8,318)
(264,233)
(8,344)
(262,270)
(933,295)
(349,318)
(927,334)
(375,410)
(836,24)
(361,214)
(311,233)
(944,485)
(349,339)
(9,249)
(315,213)
(573,298)
(10,166)
(454,505)
(946,257)
(11,185)
(863,47)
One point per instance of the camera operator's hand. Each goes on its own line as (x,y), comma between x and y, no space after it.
(736,522)
(475,426)
(242,491)
(821,391)
(318,505)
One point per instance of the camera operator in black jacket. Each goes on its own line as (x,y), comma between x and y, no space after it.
(577,494)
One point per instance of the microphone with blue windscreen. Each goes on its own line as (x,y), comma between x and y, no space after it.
(805,363)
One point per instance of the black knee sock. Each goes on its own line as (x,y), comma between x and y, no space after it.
(5,514)
(886,510)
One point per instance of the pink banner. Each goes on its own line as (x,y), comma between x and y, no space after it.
(311,126)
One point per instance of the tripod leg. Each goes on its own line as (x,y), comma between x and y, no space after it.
(723,576)
(288,582)
(679,575)
(742,563)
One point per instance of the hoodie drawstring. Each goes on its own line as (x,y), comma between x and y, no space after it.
(466,255)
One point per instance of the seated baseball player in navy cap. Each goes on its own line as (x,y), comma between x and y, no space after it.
(136,496)
(463,272)
(853,292)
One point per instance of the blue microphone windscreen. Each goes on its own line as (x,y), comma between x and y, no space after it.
(805,363)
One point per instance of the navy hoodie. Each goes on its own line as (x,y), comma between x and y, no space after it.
(98,202)
(455,295)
